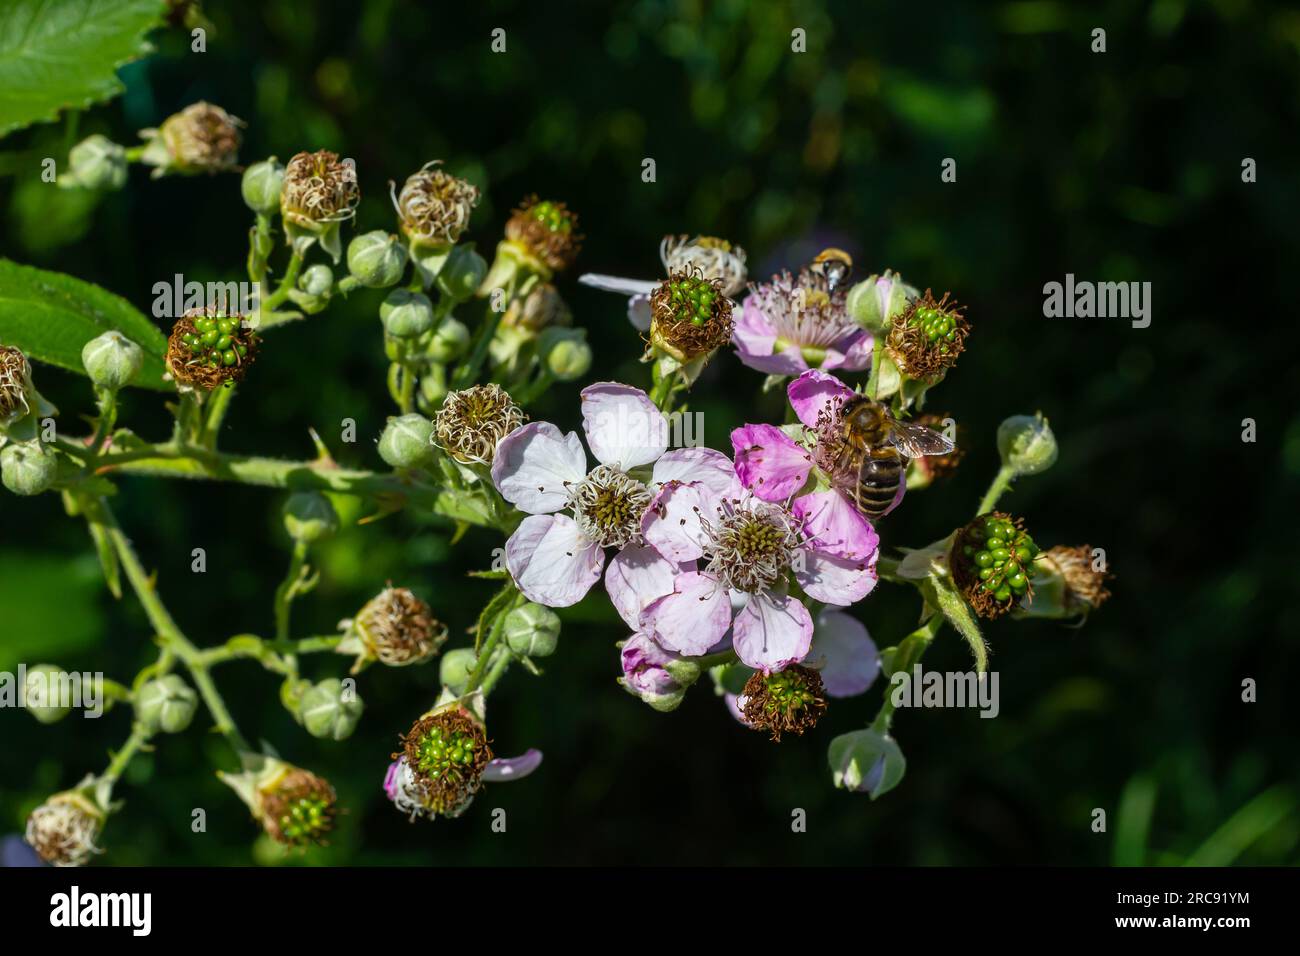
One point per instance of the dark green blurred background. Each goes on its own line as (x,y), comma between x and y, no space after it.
(1116,166)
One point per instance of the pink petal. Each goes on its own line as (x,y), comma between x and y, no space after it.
(844,654)
(637,577)
(852,353)
(638,312)
(773,631)
(672,522)
(710,468)
(624,428)
(534,466)
(552,561)
(693,618)
(812,392)
(753,332)
(833,523)
(768,462)
(834,580)
(506,769)
(733,705)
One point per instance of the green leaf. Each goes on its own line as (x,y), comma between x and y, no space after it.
(63,54)
(960,617)
(51,316)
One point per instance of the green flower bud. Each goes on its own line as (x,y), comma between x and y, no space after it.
(329,710)
(876,300)
(406,314)
(166,704)
(261,186)
(95,163)
(310,517)
(1026,444)
(318,280)
(455,668)
(532,630)
(433,391)
(112,360)
(27,468)
(565,352)
(462,274)
(376,259)
(450,341)
(864,761)
(40,680)
(406,441)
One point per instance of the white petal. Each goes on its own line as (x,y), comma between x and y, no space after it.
(710,468)
(844,654)
(773,630)
(534,466)
(618,284)
(672,522)
(693,618)
(552,561)
(623,427)
(636,578)
(834,580)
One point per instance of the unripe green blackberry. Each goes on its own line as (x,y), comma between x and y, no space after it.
(166,704)
(298,809)
(261,186)
(689,316)
(376,259)
(28,468)
(547,231)
(532,630)
(96,163)
(447,751)
(787,701)
(309,516)
(406,441)
(40,682)
(208,348)
(112,360)
(992,562)
(925,339)
(406,314)
(329,710)
(449,342)
(462,274)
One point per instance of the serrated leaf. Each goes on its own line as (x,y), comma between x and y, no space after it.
(64,54)
(51,316)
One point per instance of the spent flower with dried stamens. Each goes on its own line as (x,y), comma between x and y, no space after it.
(295,807)
(992,562)
(472,421)
(690,317)
(1070,582)
(201,138)
(15,380)
(64,828)
(714,258)
(784,702)
(434,207)
(320,192)
(210,347)
(444,756)
(548,230)
(395,628)
(926,338)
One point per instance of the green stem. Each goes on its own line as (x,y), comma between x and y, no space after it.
(907,653)
(283,289)
(490,645)
(499,667)
(1001,482)
(289,589)
(134,744)
(107,417)
(217,405)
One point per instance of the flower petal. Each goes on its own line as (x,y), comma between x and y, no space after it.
(618,284)
(851,353)
(672,522)
(844,654)
(552,561)
(773,631)
(645,665)
(693,618)
(534,466)
(624,428)
(833,523)
(812,392)
(506,769)
(710,468)
(768,462)
(638,312)
(636,578)
(834,580)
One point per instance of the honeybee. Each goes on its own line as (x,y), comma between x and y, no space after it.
(836,265)
(875,448)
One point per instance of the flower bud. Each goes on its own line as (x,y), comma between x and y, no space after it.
(462,273)
(309,516)
(95,163)
(689,316)
(64,828)
(433,391)
(28,468)
(41,701)
(449,342)
(926,338)
(532,630)
(446,752)
(405,442)
(473,421)
(406,314)
(787,701)
(111,360)
(166,704)
(261,186)
(376,259)
(877,300)
(201,138)
(317,280)
(395,628)
(455,667)
(208,348)
(565,352)
(329,710)
(1026,444)
(992,563)
(656,675)
(865,761)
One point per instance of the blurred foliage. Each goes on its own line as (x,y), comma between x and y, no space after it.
(1122,165)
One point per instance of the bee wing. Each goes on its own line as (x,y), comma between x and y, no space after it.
(617,284)
(917,441)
